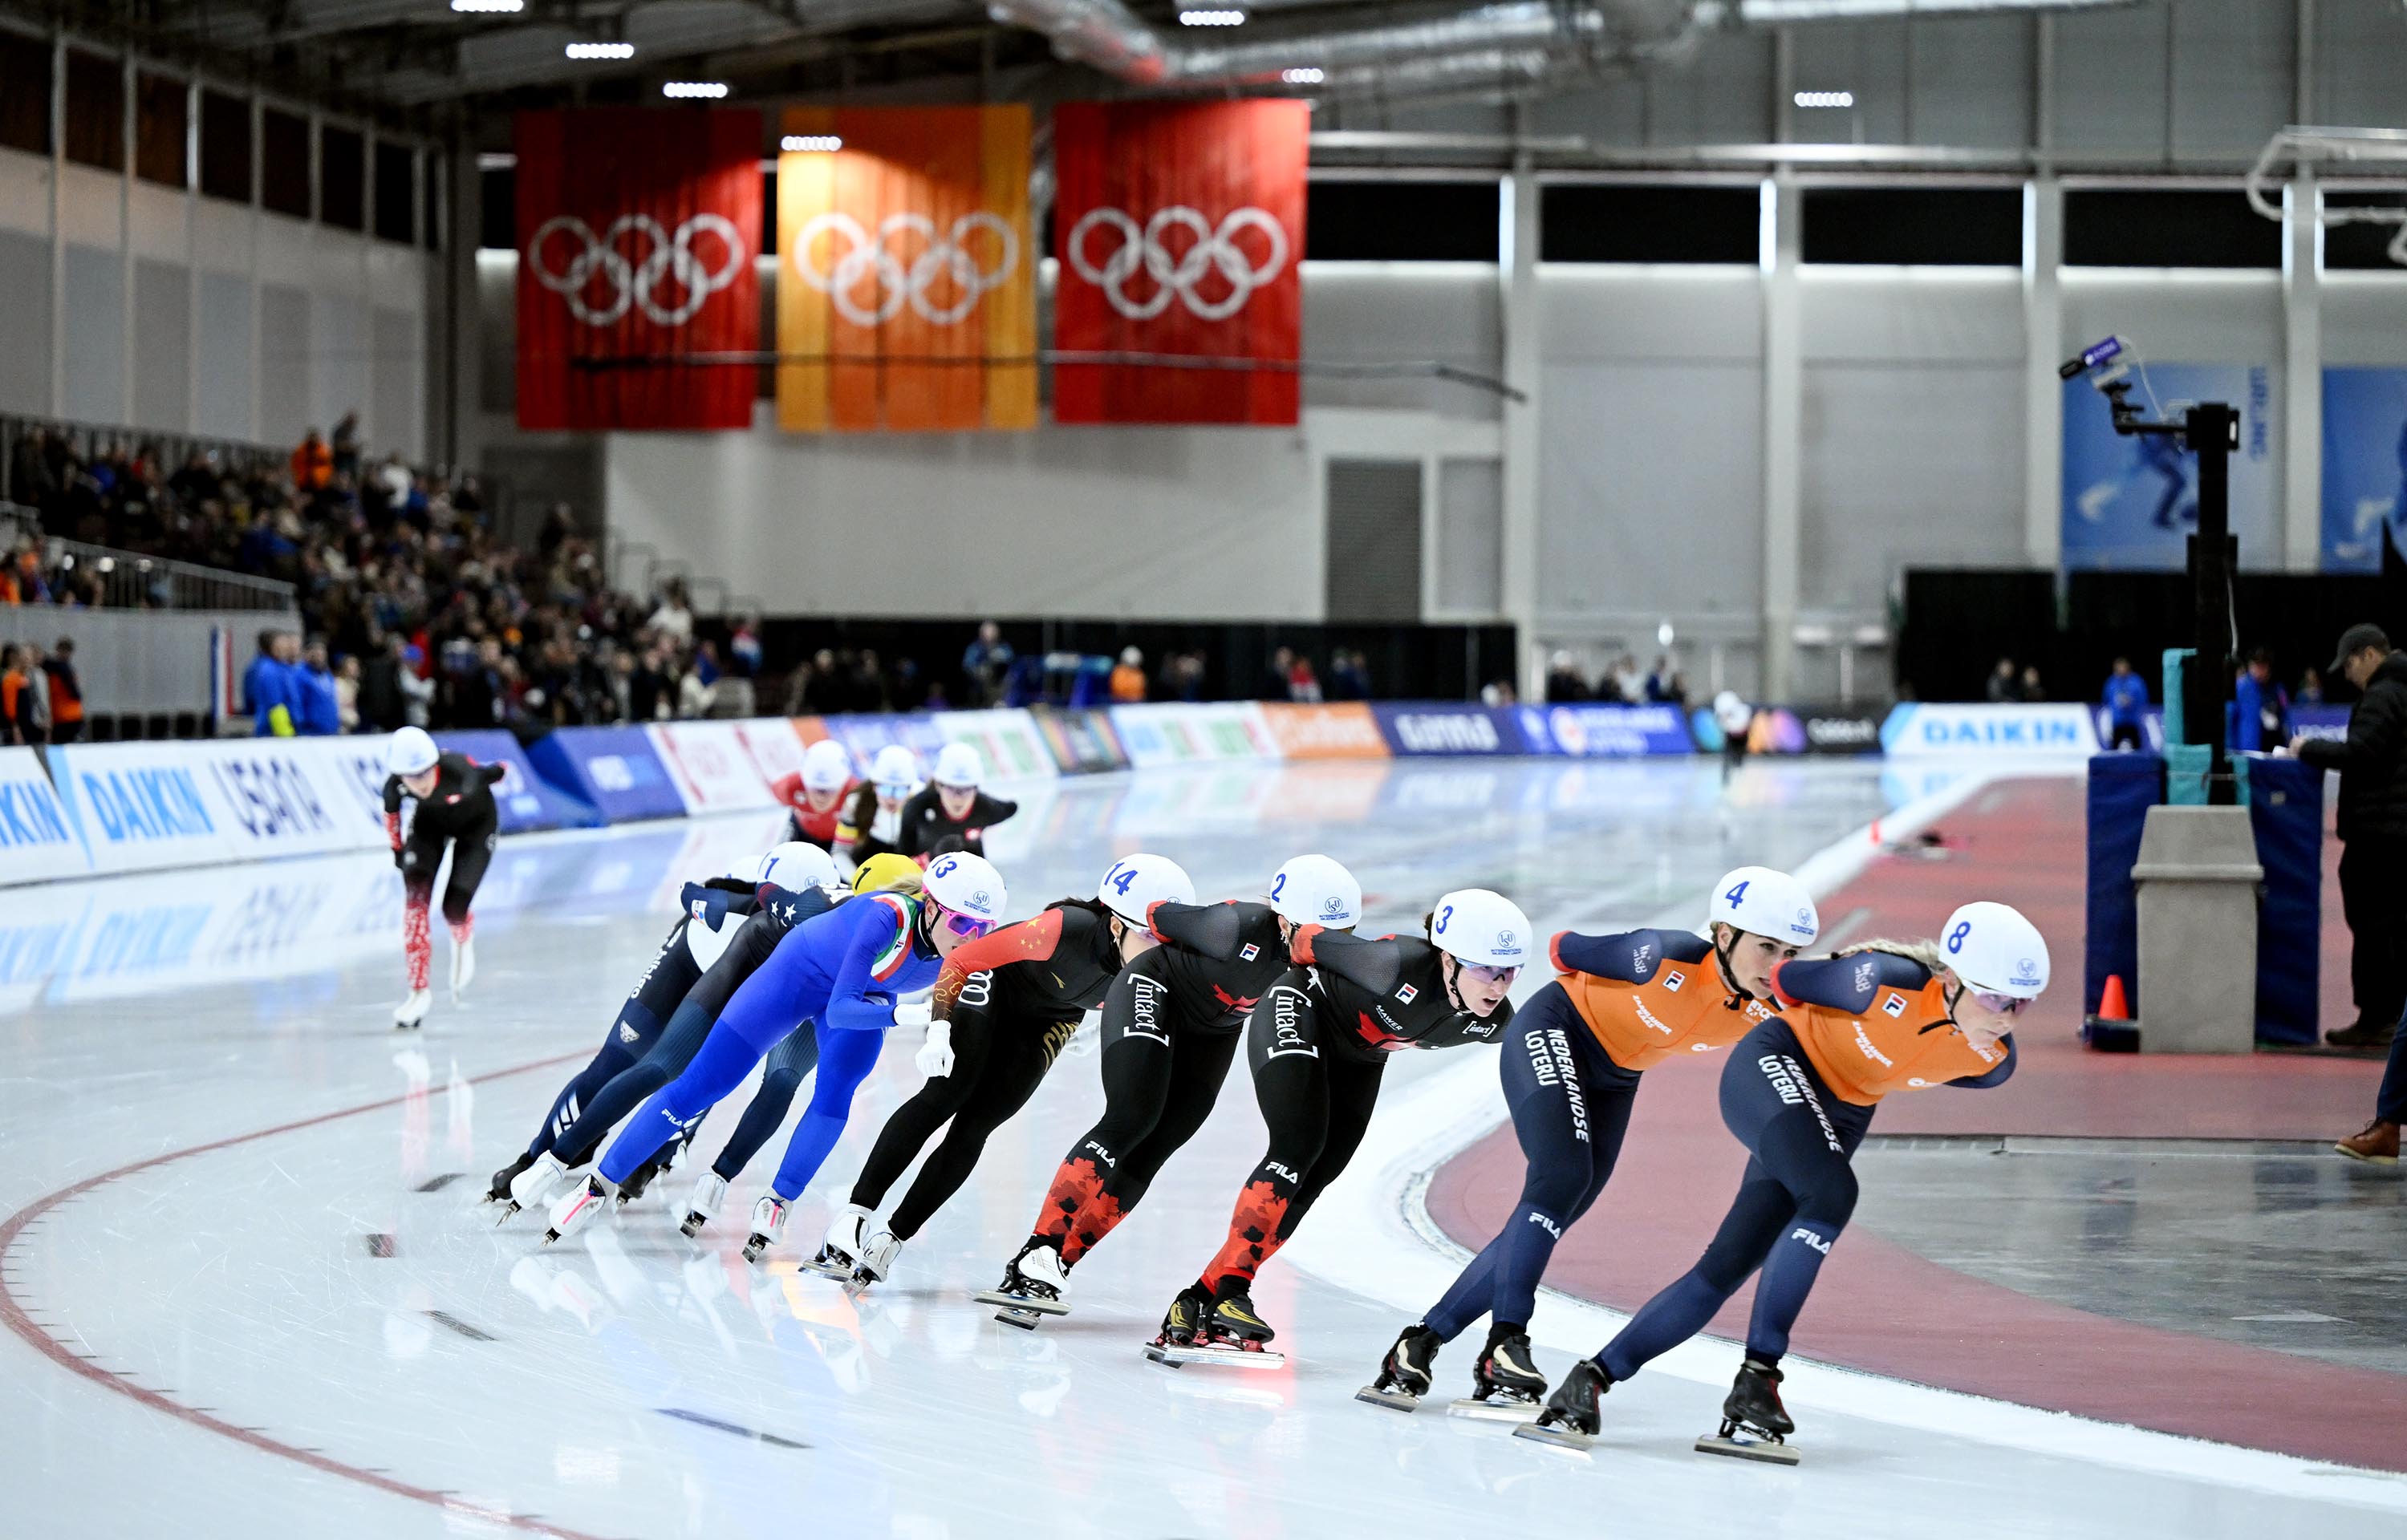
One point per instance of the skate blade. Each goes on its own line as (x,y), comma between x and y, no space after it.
(1025,1320)
(818,1268)
(692,1225)
(1395,1401)
(1496,1410)
(1559,1438)
(509,1211)
(1022,1303)
(1226,1357)
(1767,1450)
(551,1237)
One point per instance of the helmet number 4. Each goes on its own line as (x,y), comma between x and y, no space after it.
(1120,880)
(1737,895)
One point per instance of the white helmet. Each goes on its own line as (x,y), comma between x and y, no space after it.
(1993,949)
(1763,902)
(959,766)
(412,751)
(1482,928)
(795,865)
(1314,890)
(895,766)
(1137,882)
(967,885)
(827,765)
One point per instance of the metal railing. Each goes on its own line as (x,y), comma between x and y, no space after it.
(132,581)
(90,441)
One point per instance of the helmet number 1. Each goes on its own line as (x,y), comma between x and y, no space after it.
(1956,936)
(1737,895)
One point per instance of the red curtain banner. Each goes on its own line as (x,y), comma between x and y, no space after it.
(637,229)
(1180,232)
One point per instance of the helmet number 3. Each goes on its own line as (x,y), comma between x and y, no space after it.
(1442,916)
(1737,895)
(1956,936)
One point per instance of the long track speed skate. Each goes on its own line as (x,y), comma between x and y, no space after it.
(1754,1425)
(1034,1284)
(1228,1333)
(1569,1419)
(1505,1384)
(847,1237)
(1404,1372)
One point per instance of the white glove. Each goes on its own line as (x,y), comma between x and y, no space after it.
(935,1057)
(911,1013)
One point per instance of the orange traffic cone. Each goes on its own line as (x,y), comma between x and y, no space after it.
(2110,1030)
(2111,1007)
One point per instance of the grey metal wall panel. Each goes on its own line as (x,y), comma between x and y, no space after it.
(24,323)
(1651,489)
(284,357)
(1970,81)
(1867,60)
(95,335)
(1377,312)
(1470,536)
(163,311)
(497,331)
(394,396)
(2110,81)
(1933,314)
(1722,93)
(1903,464)
(222,336)
(2233,64)
(339,358)
(1374,540)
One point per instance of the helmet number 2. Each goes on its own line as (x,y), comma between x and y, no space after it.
(1956,936)
(1737,895)
(1277,884)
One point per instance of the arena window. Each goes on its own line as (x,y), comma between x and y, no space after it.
(226,147)
(2167,227)
(95,110)
(395,192)
(1399,221)
(1914,226)
(284,162)
(342,177)
(1648,222)
(161,106)
(25,92)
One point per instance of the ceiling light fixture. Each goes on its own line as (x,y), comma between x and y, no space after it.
(706,89)
(810,143)
(488,6)
(1211,18)
(601,50)
(1825,98)
(1306,77)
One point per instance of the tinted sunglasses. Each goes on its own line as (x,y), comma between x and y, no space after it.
(965,925)
(895,791)
(1492,975)
(2004,1005)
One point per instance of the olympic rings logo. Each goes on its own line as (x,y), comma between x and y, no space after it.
(1179,278)
(631,284)
(866,257)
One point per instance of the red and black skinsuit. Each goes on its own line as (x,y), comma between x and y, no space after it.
(460,811)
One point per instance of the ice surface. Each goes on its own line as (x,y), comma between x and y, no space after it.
(281,1309)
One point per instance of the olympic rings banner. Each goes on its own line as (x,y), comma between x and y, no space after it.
(907,276)
(1180,230)
(637,228)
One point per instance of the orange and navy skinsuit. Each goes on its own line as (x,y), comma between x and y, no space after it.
(1799,1092)
(1014,998)
(1571,1063)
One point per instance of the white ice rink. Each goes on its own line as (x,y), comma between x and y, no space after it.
(248,1289)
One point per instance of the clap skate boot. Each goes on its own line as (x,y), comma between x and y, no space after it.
(1505,1384)
(768,1226)
(463,966)
(1183,1322)
(1404,1372)
(411,1013)
(709,1194)
(640,1179)
(499,1191)
(847,1237)
(1035,1285)
(577,1206)
(877,1254)
(1569,1418)
(532,1187)
(1754,1425)
(1231,1334)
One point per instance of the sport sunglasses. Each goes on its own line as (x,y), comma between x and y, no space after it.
(2004,1005)
(1492,975)
(969,926)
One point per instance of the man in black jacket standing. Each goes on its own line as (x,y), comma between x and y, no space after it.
(2372,827)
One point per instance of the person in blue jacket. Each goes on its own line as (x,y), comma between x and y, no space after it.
(2258,720)
(2126,707)
(270,690)
(847,971)
(321,714)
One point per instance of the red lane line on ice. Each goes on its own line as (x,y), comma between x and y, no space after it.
(19,1321)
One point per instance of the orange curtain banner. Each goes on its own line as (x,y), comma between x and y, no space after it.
(907,273)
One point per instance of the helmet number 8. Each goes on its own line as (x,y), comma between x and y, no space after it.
(1956,936)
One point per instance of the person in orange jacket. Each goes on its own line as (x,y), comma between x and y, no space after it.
(1799,1092)
(1620,1005)
(313,462)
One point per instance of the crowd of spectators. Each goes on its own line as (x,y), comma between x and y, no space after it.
(41,698)
(1621,682)
(414,610)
